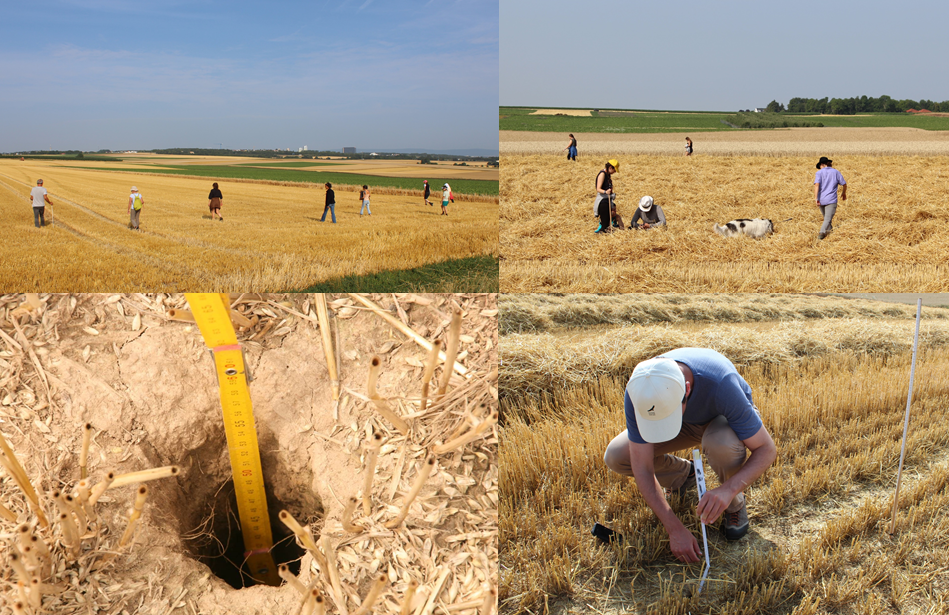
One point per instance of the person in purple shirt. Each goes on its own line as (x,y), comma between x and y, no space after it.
(685,398)
(825,193)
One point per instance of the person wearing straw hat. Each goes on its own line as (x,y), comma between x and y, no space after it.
(649,213)
(681,399)
(135,208)
(40,198)
(603,204)
(826,182)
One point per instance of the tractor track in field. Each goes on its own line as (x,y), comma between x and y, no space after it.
(140,256)
(195,243)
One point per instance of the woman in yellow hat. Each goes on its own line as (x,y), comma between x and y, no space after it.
(604,195)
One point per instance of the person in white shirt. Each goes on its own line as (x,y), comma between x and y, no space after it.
(135,208)
(40,198)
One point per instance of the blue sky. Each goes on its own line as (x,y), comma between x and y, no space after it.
(719,56)
(372,74)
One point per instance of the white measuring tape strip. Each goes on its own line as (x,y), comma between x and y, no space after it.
(700,485)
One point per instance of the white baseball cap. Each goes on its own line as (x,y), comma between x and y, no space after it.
(656,389)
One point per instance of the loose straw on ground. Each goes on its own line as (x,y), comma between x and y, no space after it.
(84,452)
(395,322)
(323,315)
(136,513)
(451,351)
(430,364)
(381,405)
(909,401)
(424,472)
(371,457)
(143,475)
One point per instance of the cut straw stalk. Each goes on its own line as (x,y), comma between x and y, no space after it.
(490,599)
(378,584)
(407,599)
(13,467)
(424,472)
(348,524)
(96,492)
(430,364)
(371,456)
(454,333)
(16,562)
(284,571)
(7,514)
(136,513)
(476,432)
(323,315)
(395,322)
(330,553)
(69,533)
(303,536)
(143,475)
(381,406)
(84,452)
(36,593)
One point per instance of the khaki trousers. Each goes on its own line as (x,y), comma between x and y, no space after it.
(725,453)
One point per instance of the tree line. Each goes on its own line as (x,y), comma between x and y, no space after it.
(852,106)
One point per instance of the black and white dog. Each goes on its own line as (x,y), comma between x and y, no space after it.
(757,228)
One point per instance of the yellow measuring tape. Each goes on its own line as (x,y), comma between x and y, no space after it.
(212,316)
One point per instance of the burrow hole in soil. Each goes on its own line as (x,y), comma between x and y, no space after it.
(217,540)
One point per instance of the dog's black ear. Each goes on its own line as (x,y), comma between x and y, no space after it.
(731,226)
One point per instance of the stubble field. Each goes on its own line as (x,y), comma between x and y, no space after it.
(889,236)
(271,238)
(831,387)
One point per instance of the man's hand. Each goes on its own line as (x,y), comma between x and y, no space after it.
(684,546)
(713,504)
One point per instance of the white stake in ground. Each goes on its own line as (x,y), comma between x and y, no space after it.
(700,485)
(909,401)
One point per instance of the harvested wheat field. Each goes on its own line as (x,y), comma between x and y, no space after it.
(104,386)
(890,235)
(271,237)
(832,393)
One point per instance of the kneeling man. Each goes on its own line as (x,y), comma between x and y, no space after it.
(682,399)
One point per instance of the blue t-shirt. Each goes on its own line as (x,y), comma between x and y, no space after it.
(718,390)
(829,179)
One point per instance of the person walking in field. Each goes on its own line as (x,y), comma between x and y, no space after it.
(688,146)
(135,208)
(826,182)
(330,203)
(364,197)
(649,213)
(604,196)
(685,398)
(214,202)
(571,149)
(40,198)
(446,198)
(428,193)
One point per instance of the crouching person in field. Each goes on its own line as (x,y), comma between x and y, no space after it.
(648,215)
(685,398)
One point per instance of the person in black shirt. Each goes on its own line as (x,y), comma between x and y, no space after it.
(214,202)
(428,193)
(604,196)
(330,203)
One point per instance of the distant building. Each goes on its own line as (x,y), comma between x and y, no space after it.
(760,109)
(349,150)
(304,148)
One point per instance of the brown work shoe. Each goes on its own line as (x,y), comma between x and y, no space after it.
(735,524)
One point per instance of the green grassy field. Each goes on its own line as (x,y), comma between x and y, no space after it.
(458,186)
(478,274)
(521,118)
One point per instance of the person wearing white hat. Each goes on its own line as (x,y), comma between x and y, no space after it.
(681,399)
(650,213)
(40,198)
(135,208)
